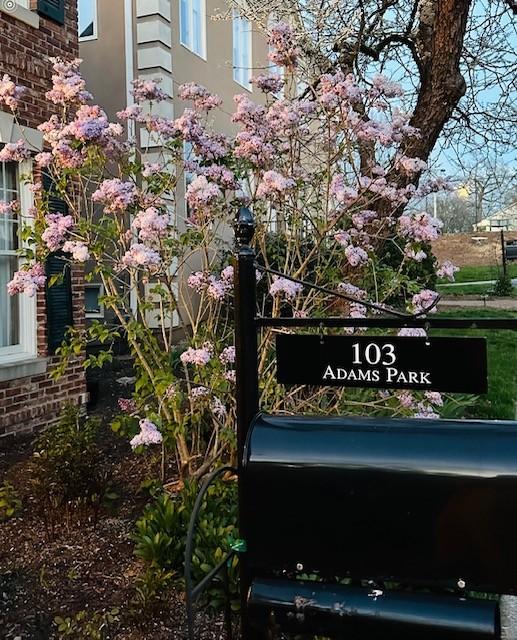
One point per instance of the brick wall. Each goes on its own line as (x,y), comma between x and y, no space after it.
(30,403)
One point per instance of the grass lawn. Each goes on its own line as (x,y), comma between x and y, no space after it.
(499,403)
(467,290)
(473,274)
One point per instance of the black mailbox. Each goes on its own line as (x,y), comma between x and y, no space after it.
(423,503)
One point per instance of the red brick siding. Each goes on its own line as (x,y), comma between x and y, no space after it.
(30,403)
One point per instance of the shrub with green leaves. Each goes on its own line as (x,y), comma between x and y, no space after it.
(69,475)
(97,625)
(161,533)
(10,502)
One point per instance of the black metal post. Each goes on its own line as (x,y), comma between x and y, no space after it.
(503,252)
(247,395)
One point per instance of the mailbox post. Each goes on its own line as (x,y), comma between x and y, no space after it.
(246,368)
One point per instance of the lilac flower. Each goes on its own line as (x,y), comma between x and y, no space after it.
(423,300)
(149,434)
(139,255)
(151,168)
(10,93)
(116,195)
(434,397)
(282,40)
(382,85)
(273,185)
(78,250)
(408,332)
(15,152)
(268,83)
(147,90)
(202,98)
(356,256)
(447,270)
(230,375)
(199,357)
(425,411)
(57,228)
(198,393)
(9,208)
(420,227)
(132,112)
(351,290)
(201,194)
(227,275)
(67,84)
(198,281)
(287,288)
(341,192)
(336,90)
(227,355)
(217,289)
(411,166)
(151,224)
(44,159)
(343,238)
(416,255)
(28,281)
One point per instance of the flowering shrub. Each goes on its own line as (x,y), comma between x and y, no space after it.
(327,179)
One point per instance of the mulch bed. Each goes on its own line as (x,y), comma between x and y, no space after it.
(83,568)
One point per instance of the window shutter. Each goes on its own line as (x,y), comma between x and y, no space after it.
(59,296)
(53,9)
(59,301)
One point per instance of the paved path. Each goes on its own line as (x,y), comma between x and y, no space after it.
(491,303)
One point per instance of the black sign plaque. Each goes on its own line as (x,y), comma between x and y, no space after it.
(441,364)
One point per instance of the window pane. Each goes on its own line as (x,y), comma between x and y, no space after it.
(9,305)
(91,299)
(87,10)
(241,49)
(185,23)
(8,193)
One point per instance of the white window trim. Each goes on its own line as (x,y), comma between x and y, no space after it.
(100,313)
(28,347)
(22,13)
(95,24)
(189,45)
(235,63)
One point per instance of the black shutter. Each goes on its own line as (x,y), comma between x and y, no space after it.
(59,296)
(53,9)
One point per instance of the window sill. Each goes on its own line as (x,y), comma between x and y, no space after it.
(22,368)
(23,15)
(201,56)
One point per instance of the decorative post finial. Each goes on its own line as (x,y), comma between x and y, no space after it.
(244,227)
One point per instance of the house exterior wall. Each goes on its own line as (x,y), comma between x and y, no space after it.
(29,398)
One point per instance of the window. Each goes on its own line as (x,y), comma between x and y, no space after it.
(192,26)
(17,313)
(241,50)
(92,305)
(87,19)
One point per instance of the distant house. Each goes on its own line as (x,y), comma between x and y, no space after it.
(32,328)
(505,219)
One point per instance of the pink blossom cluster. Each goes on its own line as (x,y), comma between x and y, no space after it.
(116,195)
(218,174)
(356,256)
(344,194)
(28,281)
(202,195)
(9,208)
(202,98)
(268,83)
(447,270)
(414,254)
(57,228)
(198,393)
(216,288)
(274,185)
(227,355)
(151,224)
(363,218)
(127,405)
(353,291)
(139,255)
(149,434)
(406,399)
(381,85)
(423,300)
(144,90)
(425,411)
(151,169)
(67,84)
(285,287)
(43,159)
(411,166)
(285,117)
(10,92)
(284,50)
(434,397)
(412,332)
(420,227)
(79,250)
(338,90)
(199,357)
(15,152)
